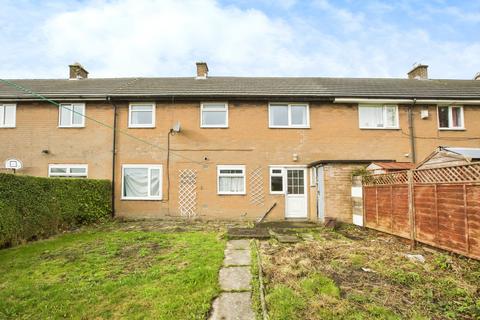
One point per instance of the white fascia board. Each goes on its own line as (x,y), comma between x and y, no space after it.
(406,101)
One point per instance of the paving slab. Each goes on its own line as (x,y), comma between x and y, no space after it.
(242,244)
(233,306)
(237,258)
(285,238)
(235,278)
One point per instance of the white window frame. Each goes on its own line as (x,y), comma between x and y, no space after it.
(222,106)
(384,110)
(289,105)
(3,106)
(450,117)
(232,167)
(68,167)
(62,107)
(281,174)
(149,167)
(144,104)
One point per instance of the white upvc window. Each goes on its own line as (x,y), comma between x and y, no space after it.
(71,115)
(276,180)
(231,179)
(68,170)
(288,115)
(450,118)
(141,115)
(378,116)
(142,182)
(8,114)
(214,115)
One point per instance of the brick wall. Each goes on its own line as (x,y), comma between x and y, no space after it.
(338,190)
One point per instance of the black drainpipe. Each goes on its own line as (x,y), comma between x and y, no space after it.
(114,153)
(411,131)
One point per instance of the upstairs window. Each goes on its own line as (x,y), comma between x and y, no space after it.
(214,115)
(378,116)
(231,179)
(141,115)
(142,182)
(450,117)
(68,170)
(7,115)
(287,115)
(71,115)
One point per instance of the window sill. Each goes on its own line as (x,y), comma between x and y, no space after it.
(141,127)
(452,129)
(8,127)
(231,194)
(288,127)
(368,128)
(71,127)
(214,127)
(141,199)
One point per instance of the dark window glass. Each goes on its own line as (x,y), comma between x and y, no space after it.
(277,183)
(443,117)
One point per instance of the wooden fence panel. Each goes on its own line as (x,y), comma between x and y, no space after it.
(445,206)
(400,222)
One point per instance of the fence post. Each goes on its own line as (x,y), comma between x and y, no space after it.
(411,208)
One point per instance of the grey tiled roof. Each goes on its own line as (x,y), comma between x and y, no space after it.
(248,87)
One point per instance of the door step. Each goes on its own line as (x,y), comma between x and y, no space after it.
(248,233)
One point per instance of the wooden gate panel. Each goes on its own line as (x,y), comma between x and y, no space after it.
(370,206)
(473,217)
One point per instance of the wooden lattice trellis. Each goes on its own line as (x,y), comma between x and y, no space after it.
(187,197)
(452,174)
(256,187)
(386,178)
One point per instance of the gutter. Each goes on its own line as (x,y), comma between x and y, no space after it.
(411,101)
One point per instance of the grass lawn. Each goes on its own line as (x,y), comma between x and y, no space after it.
(112,273)
(359,274)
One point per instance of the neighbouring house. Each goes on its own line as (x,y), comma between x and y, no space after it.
(450,156)
(231,147)
(388,167)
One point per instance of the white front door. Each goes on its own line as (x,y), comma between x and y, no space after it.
(296,193)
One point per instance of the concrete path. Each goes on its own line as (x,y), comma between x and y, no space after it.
(235,301)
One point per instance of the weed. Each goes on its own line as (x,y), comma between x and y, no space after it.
(318,284)
(284,303)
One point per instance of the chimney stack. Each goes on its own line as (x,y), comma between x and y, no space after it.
(419,72)
(477,76)
(202,70)
(77,71)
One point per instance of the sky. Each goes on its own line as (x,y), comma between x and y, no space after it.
(163,38)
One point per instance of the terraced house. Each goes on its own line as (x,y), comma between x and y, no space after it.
(231,147)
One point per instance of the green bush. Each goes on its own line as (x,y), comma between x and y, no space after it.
(33,207)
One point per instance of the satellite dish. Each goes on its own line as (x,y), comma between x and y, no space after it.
(13,164)
(176,127)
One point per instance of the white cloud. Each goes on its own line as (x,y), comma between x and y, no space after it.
(165,38)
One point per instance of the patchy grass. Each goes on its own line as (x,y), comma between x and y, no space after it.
(353,273)
(114,273)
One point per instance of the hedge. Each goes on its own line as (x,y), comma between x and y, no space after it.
(33,207)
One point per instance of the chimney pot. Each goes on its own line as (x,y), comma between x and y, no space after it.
(419,72)
(202,70)
(77,71)
(477,76)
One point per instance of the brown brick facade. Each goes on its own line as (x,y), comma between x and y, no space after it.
(334,134)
